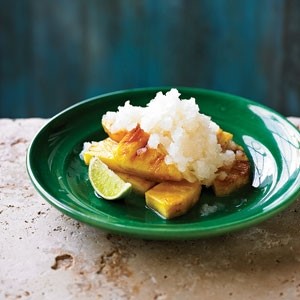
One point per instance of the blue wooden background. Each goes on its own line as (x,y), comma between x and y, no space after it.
(55,53)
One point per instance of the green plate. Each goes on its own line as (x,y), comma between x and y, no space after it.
(270,141)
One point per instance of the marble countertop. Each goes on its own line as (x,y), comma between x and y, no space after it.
(47,255)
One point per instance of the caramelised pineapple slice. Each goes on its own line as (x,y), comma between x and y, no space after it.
(172,199)
(139,185)
(224,139)
(231,178)
(136,158)
(104,151)
(116,136)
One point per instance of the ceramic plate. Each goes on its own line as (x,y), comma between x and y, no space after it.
(269,140)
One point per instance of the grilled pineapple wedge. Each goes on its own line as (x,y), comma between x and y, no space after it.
(136,158)
(172,199)
(104,151)
(116,136)
(139,185)
(224,139)
(231,178)
(98,148)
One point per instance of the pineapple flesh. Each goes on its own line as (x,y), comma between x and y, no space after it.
(104,151)
(139,185)
(116,136)
(136,158)
(172,199)
(231,178)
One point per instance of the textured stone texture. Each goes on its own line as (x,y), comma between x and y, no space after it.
(47,255)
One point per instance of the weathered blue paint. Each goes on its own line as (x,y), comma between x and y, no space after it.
(55,53)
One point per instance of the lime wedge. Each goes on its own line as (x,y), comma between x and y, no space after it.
(105,182)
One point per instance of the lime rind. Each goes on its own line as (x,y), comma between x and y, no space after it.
(105,182)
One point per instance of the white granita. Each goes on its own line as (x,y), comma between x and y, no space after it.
(189,137)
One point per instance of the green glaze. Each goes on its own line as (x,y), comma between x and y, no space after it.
(270,141)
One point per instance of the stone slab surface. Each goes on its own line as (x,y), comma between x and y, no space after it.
(47,255)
